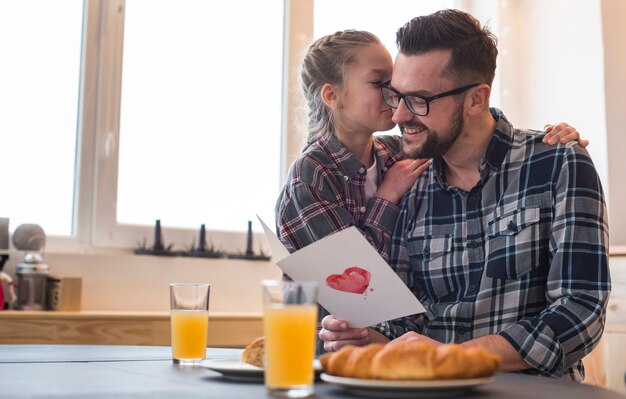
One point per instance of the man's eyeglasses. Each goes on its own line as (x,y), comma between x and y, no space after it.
(418,105)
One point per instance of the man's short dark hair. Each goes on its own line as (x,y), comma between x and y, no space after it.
(474,48)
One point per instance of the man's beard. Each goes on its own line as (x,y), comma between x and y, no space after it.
(437,144)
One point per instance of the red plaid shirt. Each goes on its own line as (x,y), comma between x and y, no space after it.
(325,193)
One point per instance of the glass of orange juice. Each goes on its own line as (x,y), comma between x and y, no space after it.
(290,317)
(189,322)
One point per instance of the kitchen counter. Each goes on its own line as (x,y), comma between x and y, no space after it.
(119,328)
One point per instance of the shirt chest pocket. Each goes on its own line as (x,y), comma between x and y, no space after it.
(430,263)
(515,244)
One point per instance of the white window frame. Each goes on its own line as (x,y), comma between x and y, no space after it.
(95,229)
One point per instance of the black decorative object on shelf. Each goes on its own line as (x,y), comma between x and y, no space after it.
(203,251)
(158,248)
(249,254)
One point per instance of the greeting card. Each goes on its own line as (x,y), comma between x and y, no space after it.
(356,284)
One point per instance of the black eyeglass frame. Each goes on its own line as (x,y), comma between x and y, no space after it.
(427,99)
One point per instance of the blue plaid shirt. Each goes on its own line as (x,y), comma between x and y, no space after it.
(523,254)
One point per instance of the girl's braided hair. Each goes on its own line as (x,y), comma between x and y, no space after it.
(324,63)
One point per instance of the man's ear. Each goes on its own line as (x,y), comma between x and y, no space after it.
(478,100)
(330,96)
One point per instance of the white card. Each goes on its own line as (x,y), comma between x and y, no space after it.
(356,284)
(279,252)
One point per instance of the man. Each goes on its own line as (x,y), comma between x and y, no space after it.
(504,239)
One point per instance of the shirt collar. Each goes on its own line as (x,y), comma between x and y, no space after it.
(340,155)
(386,155)
(500,143)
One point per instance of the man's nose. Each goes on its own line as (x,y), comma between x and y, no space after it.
(402,113)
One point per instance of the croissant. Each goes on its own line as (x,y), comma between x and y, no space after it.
(410,360)
(335,363)
(254,353)
(350,361)
(359,361)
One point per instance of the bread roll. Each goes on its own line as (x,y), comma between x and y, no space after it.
(254,353)
(358,363)
(324,360)
(410,360)
(407,360)
(336,364)
(450,362)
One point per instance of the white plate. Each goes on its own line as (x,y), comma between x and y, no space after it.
(235,369)
(389,388)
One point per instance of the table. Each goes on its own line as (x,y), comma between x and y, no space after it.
(106,371)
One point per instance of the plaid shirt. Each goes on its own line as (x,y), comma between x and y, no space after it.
(523,254)
(325,193)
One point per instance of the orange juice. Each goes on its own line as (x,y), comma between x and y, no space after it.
(189,333)
(289,344)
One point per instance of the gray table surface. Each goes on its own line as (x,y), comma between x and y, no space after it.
(76,371)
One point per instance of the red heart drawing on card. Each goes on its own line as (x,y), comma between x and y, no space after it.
(353,279)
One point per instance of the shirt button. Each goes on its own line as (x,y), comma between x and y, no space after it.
(472,244)
(346,178)
(461,330)
(362,209)
(512,226)
(472,200)
(426,250)
(471,288)
(361,170)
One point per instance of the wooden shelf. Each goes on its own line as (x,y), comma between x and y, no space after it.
(119,328)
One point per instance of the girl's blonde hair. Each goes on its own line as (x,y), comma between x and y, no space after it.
(324,63)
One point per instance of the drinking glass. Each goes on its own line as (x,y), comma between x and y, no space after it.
(290,316)
(189,322)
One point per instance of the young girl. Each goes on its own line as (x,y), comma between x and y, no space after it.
(337,182)
(346,176)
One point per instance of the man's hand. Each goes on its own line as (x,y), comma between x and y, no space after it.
(564,133)
(413,336)
(337,333)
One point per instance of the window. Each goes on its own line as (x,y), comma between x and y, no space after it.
(173,140)
(200,119)
(39,93)
(173,124)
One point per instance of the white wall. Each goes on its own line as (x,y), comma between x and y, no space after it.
(552,68)
(563,60)
(614,29)
(141,283)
